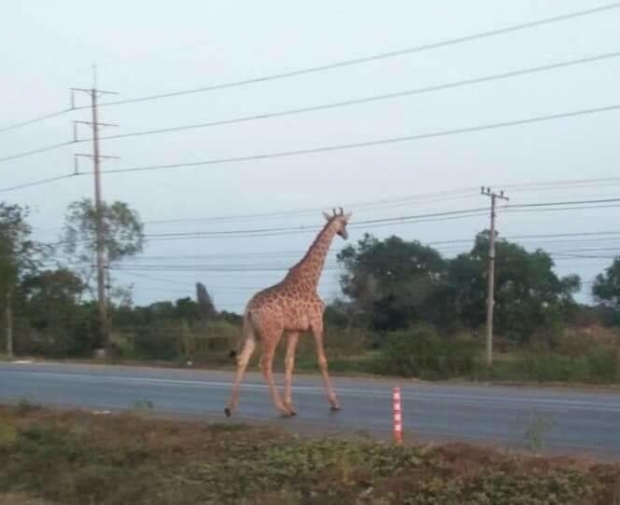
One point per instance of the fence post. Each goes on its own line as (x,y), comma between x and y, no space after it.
(398,417)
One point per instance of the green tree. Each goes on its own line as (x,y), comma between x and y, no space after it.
(396,284)
(123,237)
(528,293)
(391,281)
(19,255)
(57,321)
(187,309)
(606,287)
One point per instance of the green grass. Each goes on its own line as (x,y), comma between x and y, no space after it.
(78,458)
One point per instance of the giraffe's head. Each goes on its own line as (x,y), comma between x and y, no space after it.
(339,220)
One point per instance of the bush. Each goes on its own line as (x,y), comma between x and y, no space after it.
(171,341)
(421,353)
(156,343)
(546,367)
(603,364)
(76,337)
(600,364)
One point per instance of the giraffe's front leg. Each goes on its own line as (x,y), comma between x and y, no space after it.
(289,363)
(317,330)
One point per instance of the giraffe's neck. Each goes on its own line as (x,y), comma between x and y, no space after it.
(308,270)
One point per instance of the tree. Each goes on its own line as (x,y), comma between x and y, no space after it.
(19,255)
(205,303)
(391,281)
(396,283)
(123,233)
(58,323)
(187,309)
(528,293)
(123,237)
(606,287)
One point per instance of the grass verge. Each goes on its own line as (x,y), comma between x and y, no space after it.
(75,458)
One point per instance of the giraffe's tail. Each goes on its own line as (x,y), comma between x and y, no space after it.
(247,331)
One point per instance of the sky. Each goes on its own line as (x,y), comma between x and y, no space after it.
(184,45)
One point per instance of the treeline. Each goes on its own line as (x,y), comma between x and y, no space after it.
(392,284)
(402,301)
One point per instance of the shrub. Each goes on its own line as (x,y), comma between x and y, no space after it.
(600,364)
(603,364)
(156,344)
(421,353)
(545,367)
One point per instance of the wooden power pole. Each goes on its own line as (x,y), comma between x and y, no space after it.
(96,156)
(491,271)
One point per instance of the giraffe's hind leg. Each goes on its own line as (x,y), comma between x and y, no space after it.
(270,338)
(242,364)
(289,363)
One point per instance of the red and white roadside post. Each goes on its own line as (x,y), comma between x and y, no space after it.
(398,416)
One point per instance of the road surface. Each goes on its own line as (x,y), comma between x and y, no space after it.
(582,422)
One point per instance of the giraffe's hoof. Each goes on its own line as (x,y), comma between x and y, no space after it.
(227,412)
(293,413)
(335,408)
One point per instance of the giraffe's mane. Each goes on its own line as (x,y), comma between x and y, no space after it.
(312,246)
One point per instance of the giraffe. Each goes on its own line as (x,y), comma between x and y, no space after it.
(290,307)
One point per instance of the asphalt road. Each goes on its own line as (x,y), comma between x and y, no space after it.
(582,422)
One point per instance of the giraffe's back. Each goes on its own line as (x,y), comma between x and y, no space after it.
(278,309)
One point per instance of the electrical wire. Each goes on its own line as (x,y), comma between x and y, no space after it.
(364,100)
(37,119)
(37,182)
(35,151)
(370,143)
(375,57)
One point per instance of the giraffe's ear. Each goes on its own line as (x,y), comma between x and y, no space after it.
(327,216)
(347,216)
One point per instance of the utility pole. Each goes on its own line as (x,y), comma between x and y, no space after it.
(491,271)
(8,319)
(100,225)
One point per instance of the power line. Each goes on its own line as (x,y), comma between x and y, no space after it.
(556,209)
(217,268)
(35,151)
(375,57)
(421,197)
(577,238)
(379,221)
(15,126)
(37,182)
(191,288)
(454,246)
(356,145)
(312,229)
(369,223)
(372,143)
(536,236)
(570,202)
(578,183)
(364,100)
(340,64)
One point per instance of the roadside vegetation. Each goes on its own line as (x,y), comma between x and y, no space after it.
(406,309)
(77,457)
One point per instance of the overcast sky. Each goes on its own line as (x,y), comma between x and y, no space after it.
(157,47)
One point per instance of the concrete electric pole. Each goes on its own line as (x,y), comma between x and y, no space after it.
(491,271)
(96,156)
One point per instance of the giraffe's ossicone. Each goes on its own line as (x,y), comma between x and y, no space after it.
(290,307)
